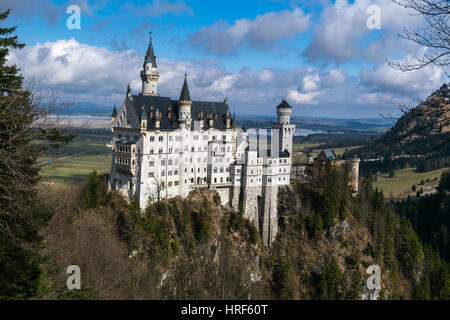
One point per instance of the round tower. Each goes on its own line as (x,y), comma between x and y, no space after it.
(284,111)
(355,174)
(150,74)
(185,102)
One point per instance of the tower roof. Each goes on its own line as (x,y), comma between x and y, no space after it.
(185,91)
(114,113)
(284,104)
(150,56)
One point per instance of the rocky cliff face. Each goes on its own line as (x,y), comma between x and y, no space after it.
(194,248)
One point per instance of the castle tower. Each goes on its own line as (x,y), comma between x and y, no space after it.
(355,175)
(150,74)
(113,117)
(185,104)
(286,129)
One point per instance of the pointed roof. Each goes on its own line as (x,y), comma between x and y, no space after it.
(185,91)
(284,104)
(114,113)
(150,56)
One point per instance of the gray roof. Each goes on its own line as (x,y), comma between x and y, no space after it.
(185,91)
(150,56)
(284,104)
(165,106)
(114,113)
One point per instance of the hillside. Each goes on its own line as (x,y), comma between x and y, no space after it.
(424,129)
(194,248)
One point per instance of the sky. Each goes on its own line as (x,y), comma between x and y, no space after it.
(319,55)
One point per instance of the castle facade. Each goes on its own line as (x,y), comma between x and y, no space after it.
(163,148)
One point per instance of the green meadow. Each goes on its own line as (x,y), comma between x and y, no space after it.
(400,185)
(66,167)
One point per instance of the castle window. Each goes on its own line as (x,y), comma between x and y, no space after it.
(161,138)
(221,179)
(160,151)
(207,116)
(151,114)
(151,163)
(163,173)
(215,116)
(151,151)
(198,115)
(169,115)
(170,138)
(160,115)
(176,183)
(151,174)
(169,108)
(152,138)
(170,183)
(170,161)
(151,107)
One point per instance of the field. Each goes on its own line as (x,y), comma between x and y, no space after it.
(72,163)
(400,185)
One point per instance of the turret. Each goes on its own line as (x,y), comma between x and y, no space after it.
(185,103)
(113,116)
(143,120)
(150,74)
(285,128)
(284,111)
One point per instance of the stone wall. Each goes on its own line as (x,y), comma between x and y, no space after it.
(269,214)
(251,203)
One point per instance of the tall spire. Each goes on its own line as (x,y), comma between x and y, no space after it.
(185,91)
(114,113)
(150,56)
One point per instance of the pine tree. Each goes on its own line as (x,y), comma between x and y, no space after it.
(22,214)
(91,192)
(330,281)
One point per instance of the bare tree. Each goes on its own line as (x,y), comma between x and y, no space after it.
(157,192)
(434,35)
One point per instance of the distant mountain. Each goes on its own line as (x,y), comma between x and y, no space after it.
(86,108)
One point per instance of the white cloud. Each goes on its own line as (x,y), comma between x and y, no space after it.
(302,98)
(417,83)
(223,38)
(88,73)
(343,25)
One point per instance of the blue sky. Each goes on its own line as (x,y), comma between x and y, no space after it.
(320,55)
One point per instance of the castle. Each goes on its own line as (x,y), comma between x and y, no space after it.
(164,148)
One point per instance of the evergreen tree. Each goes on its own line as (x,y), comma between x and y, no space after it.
(21,142)
(330,281)
(91,193)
